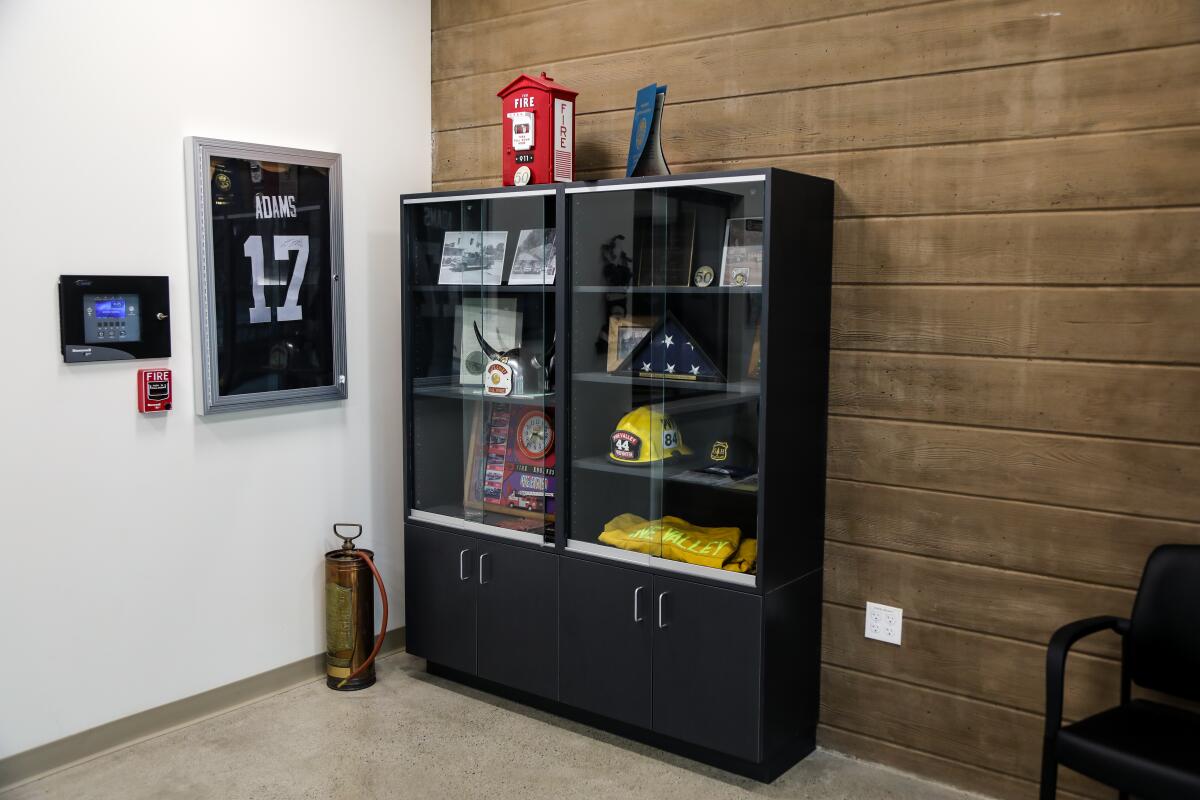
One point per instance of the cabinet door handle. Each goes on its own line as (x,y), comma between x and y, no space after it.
(662,620)
(462,566)
(637,604)
(482,556)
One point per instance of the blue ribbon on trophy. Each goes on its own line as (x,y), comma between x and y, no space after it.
(645,141)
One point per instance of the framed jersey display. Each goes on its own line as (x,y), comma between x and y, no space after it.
(267,280)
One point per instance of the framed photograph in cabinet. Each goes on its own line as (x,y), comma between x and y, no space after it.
(624,335)
(472,258)
(267,275)
(535,259)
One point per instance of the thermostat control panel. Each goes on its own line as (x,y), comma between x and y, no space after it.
(113,317)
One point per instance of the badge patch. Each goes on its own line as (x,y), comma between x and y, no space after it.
(497,379)
(626,446)
(719,452)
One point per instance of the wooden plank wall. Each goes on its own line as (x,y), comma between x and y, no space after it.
(1015,407)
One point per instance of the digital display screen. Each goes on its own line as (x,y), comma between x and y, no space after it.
(111,318)
(110,309)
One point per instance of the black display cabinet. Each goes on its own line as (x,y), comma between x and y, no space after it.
(615,423)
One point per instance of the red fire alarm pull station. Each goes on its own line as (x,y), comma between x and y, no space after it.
(154,390)
(539,131)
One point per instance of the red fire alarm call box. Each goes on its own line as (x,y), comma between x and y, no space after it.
(154,390)
(539,131)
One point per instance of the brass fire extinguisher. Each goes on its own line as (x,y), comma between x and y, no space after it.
(350,647)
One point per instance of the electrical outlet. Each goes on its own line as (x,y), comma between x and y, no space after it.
(884,623)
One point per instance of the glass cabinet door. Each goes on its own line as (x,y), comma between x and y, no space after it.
(665,311)
(480,275)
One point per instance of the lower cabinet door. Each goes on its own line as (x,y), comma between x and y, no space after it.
(707,657)
(517,629)
(439,597)
(605,640)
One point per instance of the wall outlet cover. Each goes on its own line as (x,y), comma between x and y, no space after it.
(884,623)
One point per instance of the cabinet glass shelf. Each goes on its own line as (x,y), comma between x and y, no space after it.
(656,562)
(738,390)
(481,288)
(493,524)
(683,473)
(454,391)
(714,291)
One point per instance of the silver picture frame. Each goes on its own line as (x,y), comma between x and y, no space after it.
(197,154)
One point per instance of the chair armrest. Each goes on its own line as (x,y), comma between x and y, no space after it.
(1056,661)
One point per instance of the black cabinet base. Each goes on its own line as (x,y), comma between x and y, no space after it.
(765,772)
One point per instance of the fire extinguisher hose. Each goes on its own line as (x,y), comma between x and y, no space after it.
(382,627)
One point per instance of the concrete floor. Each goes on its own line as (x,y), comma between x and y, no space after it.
(416,736)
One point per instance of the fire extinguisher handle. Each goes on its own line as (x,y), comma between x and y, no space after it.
(346,540)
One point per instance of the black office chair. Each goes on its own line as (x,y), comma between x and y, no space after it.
(1143,748)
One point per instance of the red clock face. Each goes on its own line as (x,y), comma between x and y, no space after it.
(535,436)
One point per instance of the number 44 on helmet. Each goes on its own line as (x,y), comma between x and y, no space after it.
(645,436)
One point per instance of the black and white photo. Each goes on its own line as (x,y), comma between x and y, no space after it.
(473,257)
(535,258)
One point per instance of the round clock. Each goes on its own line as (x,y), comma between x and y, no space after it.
(535,436)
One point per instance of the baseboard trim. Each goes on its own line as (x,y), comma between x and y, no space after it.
(40,761)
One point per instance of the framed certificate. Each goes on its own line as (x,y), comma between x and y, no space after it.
(741,259)
(498,321)
(266,255)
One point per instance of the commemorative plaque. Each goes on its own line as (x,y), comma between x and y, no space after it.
(645,141)
(266,254)
(511,461)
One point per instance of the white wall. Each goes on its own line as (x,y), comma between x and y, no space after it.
(145,560)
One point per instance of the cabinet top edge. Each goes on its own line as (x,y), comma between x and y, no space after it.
(601,186)
(611,184)
(478,194)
